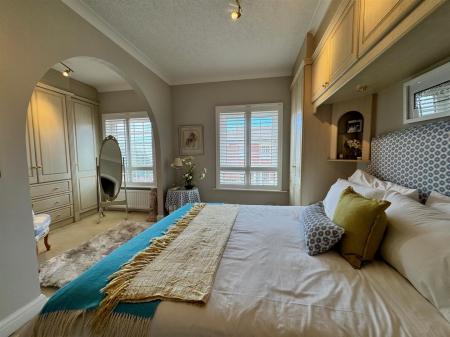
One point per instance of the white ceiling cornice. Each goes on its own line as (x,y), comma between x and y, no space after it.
(232,78)
(318,16)
(90,16)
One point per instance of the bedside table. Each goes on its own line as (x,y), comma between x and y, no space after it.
(179,196)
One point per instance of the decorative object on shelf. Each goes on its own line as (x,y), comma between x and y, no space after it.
(188,166)
(354,146)
(354,126)
(190,140)
(177,197)
(427,96)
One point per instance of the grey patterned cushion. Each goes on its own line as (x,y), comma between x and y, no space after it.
(321,234)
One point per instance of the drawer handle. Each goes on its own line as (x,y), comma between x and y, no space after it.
(56,202)
(56,188)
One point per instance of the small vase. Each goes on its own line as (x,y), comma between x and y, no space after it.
(188,186)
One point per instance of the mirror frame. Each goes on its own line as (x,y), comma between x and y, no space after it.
(107,139)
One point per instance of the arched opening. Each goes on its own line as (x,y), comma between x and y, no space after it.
(350,129)
(74,106)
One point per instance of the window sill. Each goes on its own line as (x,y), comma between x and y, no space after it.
(248,190)
(139,187)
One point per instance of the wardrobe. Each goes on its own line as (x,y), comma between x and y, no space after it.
(62,145)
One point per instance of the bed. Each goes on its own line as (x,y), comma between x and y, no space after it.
(266,285)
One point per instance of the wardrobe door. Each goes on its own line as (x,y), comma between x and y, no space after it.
(84,116)
(31,151)
(50,135)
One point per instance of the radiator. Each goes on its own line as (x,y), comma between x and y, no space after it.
(137,200)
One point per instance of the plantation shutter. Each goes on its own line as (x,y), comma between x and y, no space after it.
(232,148)
(135,138)
(118,129)
(141,151)
(264,148)
(248,146)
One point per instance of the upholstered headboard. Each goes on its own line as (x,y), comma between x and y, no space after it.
(416,157)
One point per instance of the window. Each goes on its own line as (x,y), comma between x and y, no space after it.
(134,134)
(249,146)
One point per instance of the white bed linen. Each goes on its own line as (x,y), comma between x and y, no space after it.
(266,285)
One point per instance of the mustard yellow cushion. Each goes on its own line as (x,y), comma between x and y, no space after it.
(364,222)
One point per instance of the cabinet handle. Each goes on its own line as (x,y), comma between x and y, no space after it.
(56,202)
(324,85)
(39,166)
(56,188)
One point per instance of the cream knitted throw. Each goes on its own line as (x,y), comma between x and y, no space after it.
(179,266)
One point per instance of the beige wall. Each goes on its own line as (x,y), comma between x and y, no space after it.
(195,104)
(54,78)
(120,101)
(389,115)
(34,35)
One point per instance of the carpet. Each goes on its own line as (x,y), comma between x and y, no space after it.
(61,269)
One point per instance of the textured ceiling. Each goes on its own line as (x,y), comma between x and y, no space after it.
(190,41)
(94,73)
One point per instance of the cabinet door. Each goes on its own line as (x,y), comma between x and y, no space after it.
(378,17)
(296,141)
(50,134)
(84,116)
(343,42)
(31,151)
(320,72)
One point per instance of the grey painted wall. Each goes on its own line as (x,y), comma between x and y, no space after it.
(54,78)
(195,104)
(120,101)
(34,35)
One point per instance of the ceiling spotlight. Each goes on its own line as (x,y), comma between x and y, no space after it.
(236,12)
(67,71)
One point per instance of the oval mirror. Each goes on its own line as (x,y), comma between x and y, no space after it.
(110,169)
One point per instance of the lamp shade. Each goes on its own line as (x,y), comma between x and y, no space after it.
(177,162)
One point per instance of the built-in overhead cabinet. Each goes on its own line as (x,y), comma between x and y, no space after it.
(320,72)
(337,51)
(85,124)
(357,27)
(378,17)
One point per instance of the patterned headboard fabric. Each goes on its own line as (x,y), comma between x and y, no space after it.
(416,157)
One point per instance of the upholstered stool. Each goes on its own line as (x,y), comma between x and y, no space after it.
(41,223)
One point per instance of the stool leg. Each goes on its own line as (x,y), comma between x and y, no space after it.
(47,245)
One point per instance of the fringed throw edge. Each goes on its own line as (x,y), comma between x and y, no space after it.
(62,323)
(120,280)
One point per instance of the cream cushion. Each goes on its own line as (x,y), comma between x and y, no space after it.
(417,244)
(331,200)
(363,178)
(439,201)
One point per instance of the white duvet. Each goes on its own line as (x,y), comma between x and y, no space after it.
(266,285)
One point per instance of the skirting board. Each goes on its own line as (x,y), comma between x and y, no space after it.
(17,319)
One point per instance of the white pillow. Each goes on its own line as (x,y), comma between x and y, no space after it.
(417,245)
(333,195)
(439,201)
(363,178)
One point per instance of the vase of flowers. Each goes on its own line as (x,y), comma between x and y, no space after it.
(188,166)
(354,147)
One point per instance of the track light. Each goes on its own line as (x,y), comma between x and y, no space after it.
(67,71)
(236,12)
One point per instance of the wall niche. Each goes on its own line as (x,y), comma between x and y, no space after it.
(350,135)
(351,129)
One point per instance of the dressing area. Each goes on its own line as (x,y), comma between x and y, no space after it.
(91,167)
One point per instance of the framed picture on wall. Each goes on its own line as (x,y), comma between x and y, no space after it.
(190,138)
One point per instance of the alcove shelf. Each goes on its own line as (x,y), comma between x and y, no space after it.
(351,130)
(350,160)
